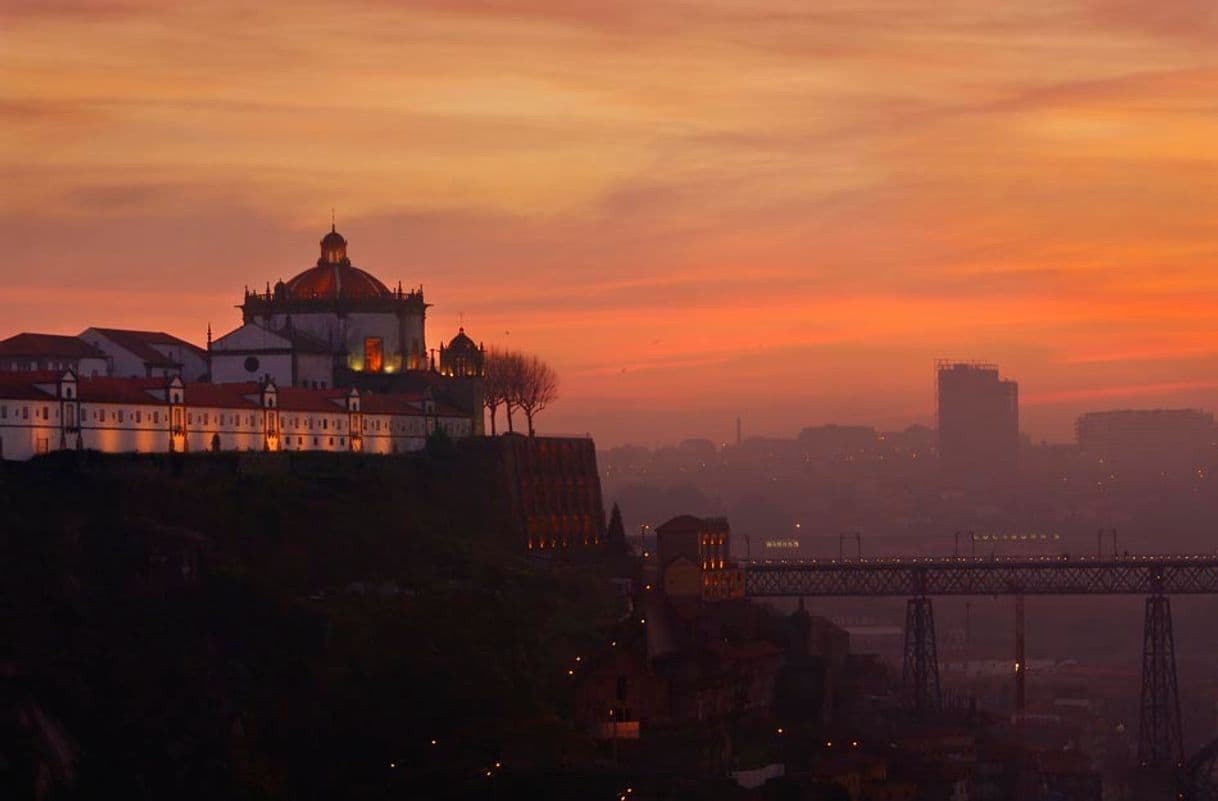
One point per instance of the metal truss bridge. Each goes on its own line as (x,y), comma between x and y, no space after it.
(1049,575)
(1160,737)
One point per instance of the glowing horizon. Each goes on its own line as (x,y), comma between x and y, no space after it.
(693,210)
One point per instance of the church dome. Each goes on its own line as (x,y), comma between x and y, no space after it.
(334,278)
(462,357)
(462,341)
(334,281)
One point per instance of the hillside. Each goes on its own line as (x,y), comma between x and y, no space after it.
(336,617)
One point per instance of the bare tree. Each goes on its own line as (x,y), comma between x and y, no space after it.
(494,383)
(515,377)
(538,388)
(517,382)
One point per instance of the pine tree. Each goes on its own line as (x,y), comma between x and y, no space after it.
(616,533)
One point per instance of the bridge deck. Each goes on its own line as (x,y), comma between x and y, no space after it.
(1049,575)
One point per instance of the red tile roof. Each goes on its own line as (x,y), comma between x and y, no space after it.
(27,344)
(15,378)
(298,399)
(141,344)
(392,404)
(27,390)
(240,395)
(120,390)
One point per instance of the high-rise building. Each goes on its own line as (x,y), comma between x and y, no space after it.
(1147,440)
(978,422)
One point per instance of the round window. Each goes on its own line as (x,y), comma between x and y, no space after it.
(251,364)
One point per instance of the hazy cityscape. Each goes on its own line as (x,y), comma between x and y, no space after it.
(744,400)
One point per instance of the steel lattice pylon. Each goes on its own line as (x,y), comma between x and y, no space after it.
(920,676)
(1160,739)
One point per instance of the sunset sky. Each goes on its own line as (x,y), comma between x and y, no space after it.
(695,209)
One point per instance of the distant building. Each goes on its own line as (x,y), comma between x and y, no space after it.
(978,415)
(695,560)
(145,354)
(1146,440)
(834,441)
(28,352)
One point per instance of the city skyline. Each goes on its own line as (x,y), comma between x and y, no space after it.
(764,213)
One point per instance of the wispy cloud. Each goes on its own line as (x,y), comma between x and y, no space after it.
(677,201)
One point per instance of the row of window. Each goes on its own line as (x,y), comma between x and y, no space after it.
(23,412)
(251,420)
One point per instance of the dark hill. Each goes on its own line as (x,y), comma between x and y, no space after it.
(248,627)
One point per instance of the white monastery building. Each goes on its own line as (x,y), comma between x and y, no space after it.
(49,411)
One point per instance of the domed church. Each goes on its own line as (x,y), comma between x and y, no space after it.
(331,315)
(335,325)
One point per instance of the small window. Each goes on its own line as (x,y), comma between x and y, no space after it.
(139,416)
(325,422)
(315,441)
(3,412)
(46,413)
(156,417)
(120,415)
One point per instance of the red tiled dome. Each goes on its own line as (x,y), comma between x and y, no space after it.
(334,281)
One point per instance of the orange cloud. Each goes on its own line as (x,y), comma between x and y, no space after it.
(695,209)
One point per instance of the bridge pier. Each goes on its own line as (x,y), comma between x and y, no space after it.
(920,673)
(1160,738)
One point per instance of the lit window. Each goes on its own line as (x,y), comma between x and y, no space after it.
(374,357)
